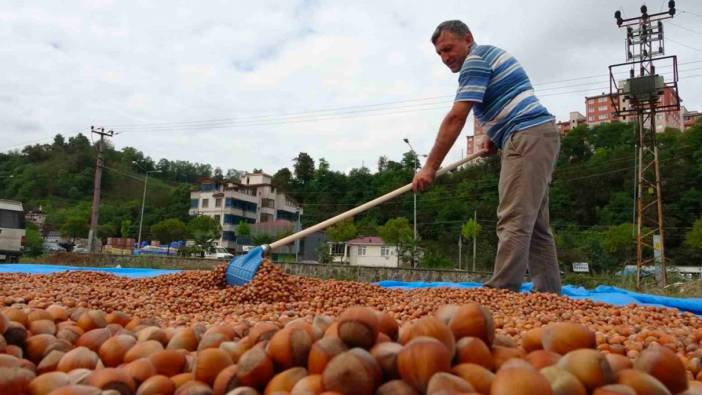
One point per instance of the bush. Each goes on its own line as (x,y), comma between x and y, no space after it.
(34,244)
(435,259)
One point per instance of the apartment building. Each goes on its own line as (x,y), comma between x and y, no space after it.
(473,142)
(690,117)
(254,200)
(575,119)
(600,109)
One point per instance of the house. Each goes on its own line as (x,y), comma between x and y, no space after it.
(254,200)
(365,251)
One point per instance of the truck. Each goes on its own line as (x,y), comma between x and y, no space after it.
(12,230)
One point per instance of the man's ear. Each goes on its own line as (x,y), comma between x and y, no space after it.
(469,38)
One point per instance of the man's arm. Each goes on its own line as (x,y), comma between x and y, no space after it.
(450,128)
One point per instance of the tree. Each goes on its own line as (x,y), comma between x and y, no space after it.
(342,231)
(124,228)
(283,179)
(204,231)
(367,226)
(243,229)
(470,230)
(397,231)
(693,239)
(169,230)
(233,175)
(323,165)
(106,230)
(34,244)
(75,225)
(304,168)
(618,242)
(217,176)
(382,163)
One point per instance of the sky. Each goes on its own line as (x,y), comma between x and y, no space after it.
(244,84)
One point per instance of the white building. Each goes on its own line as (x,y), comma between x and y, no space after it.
(253,200)
(371,251)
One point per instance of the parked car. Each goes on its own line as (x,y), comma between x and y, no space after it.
(80,249)
(219,253)
(12,230)
(52,246)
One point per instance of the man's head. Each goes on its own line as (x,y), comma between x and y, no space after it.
(452,40)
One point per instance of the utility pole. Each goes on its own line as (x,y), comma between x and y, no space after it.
(460,243)
(639,98)
(414,244)
(143,202)
(92,234)
(475,237)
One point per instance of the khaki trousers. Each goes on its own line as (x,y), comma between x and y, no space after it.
(525,239)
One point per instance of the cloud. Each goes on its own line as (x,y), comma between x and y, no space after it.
(249,85)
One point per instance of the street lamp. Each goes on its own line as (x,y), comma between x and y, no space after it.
(414,249)
(143,201)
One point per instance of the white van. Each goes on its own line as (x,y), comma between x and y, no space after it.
(12,230)
(219,253)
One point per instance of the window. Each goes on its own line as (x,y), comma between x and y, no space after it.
(218,218)
(602,99)
(362,250)
(384,251)
(602,108)
(12,219)
(602,116)
(337,249)
(231,219)
(205,203)
(286,215)
(265,217)
(193,203)
(218,202)
(591,117)
(240,204)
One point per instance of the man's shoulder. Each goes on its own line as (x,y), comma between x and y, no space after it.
(490,53)
(485,50)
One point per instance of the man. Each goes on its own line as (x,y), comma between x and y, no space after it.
(496,87)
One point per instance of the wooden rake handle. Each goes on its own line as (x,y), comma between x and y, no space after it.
(366,206)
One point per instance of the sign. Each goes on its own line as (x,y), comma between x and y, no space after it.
(657,248)
(581,267)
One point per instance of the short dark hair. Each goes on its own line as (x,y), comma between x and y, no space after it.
(454,26)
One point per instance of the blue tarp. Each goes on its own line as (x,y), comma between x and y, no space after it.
(602,293)
(31,268)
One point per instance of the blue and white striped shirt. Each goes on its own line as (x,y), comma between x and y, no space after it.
(500,88)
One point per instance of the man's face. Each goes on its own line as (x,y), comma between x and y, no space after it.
(453,49)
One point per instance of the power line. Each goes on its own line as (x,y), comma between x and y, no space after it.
(287,119)
(429,106)
(253,117)
(685,28)
(691,13)
(432,105)
(685,45)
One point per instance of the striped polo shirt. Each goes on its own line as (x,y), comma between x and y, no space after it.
(500,88)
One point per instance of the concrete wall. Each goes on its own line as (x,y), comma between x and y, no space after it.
(154,261)
(326,271)
(372,274)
